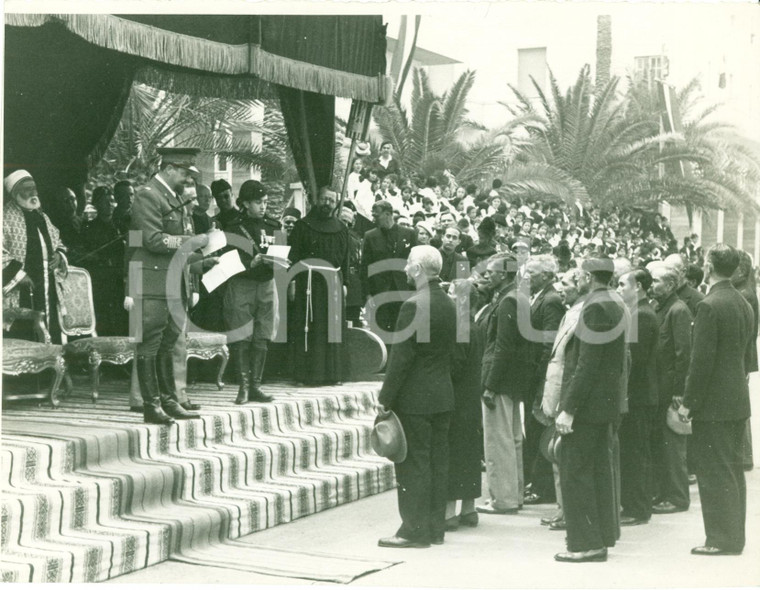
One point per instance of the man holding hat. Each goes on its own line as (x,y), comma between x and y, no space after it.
(419,390)
(250,301)
(593,387)
(160,225)
(33,253)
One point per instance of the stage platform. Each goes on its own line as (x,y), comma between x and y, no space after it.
(89,492)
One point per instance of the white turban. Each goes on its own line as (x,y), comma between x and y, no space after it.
(10,181)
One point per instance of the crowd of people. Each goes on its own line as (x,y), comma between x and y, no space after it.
(532,283)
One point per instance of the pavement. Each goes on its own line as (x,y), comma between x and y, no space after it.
(503,551)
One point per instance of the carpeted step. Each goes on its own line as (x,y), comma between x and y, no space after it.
(90,492)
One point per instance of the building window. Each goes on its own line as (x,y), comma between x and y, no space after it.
(531,63)
(651,68)
(221,163)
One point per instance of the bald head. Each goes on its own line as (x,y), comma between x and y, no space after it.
(424,262)
(676,262)
(203,194)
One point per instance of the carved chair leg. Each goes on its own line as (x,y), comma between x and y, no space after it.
(60,370)
(95,360)
(68,386)
(220,376)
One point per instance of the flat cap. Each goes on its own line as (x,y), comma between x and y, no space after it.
(598,263)
(181,157)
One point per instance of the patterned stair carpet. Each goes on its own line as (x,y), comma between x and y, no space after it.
(89,492)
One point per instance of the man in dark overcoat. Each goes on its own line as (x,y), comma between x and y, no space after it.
(546,312)
(387,242)
(671,477)
(636,429)
(593,385)
(419,390)
(717,401)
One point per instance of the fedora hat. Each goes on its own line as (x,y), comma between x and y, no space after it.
(674,422)
(387,438)
(363,149)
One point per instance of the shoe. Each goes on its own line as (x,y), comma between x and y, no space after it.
(401,543)
(256,395)
(167,388)
(532,499)
(667,508)
(548,520)
(190,406)
(692,479)
(707,550)
(470,519)
(559,525)
(438,540)
(632,521)
(582,556)
(488,509)
(452,524)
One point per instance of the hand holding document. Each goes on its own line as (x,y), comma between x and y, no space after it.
(229,265)
(216,241)
(277,254)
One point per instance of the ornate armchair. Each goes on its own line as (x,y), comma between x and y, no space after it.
(22,357)
(207,345)
(76,315)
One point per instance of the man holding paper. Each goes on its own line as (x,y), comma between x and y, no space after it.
(250,302)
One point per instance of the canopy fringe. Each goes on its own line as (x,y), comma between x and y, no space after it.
(111,32)
(181,82)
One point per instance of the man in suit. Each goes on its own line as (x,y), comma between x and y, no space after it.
(671,477)
(686,293)
(546,312)
(505,378)
(636,428)
(160,225)
(391,243)
(455,265)
(717,401)
(418,388)
(593,384)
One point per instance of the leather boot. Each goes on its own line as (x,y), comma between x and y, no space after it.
(239,354)
(258,360)
(168,389)
(146,376)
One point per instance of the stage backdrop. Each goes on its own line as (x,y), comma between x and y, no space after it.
(67,78)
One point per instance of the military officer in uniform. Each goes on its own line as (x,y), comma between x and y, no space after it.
(250,301)
(159,227)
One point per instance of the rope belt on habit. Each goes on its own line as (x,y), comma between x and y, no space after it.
(309,309)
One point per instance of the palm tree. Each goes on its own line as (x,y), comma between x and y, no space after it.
(427,136)
(613,147)
(153,118)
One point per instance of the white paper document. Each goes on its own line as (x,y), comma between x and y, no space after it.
(229,265)
(216,241)
(278,254)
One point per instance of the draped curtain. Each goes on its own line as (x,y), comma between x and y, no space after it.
(67,78)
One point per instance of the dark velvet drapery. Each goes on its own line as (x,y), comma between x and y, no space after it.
(63,101)
(67,78)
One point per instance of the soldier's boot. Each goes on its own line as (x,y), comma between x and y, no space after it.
(240,361)
(168,388)
(146,376)
(258,361)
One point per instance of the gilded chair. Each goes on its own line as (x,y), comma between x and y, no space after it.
(21,357)
(76,315)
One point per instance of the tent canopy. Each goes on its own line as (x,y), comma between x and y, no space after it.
(67,78)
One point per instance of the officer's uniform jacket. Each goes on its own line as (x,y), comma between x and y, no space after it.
(159,227)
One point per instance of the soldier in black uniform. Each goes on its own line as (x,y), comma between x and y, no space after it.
(159,227)
(250,301)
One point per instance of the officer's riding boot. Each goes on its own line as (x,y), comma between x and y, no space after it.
(168,389)
(146,376)
(239,353)
(258,360)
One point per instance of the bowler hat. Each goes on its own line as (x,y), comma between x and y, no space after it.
(674,422)
(388,439)
(549,444)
